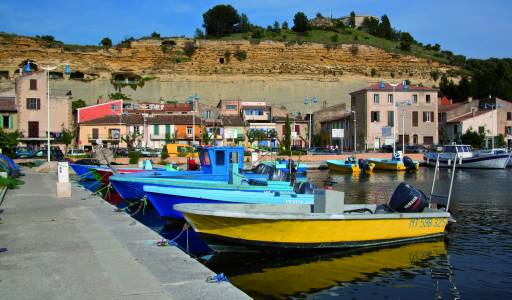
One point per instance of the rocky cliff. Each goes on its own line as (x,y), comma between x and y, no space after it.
(235,64)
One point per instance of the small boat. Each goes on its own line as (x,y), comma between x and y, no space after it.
(395,163)
(467,158)
(350,165)
(283,165)
(163,198)
(329,223)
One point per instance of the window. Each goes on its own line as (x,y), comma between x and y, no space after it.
(427,99)
(248,112)
(259,113)
(114,134)
(508,130)
(428,116)
(391,118)
(219,158)
(414,98)
(33,103)
(414,119)
(390,98)
(113,106)
(509,116)
(95,133)
(375,98)
(455,130)
(33,84)
(297,128)
(230,107)
(375,116)
(136,129)
(5,122)
(189,131)
(156,129)
(428,140)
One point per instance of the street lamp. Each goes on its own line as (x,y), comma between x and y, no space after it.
(394,116)
(48,68)
(192,99)
(403,104)
(310,102)
(355,134)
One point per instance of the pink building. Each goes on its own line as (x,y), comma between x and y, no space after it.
(110,108)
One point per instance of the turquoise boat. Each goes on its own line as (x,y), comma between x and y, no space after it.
(164,198)
(131,188)
(283,166)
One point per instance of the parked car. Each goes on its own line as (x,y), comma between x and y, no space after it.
(75,152)
(414,149)
(322,151)
(55,154)
(386,148)
(122,152)
(23,152)
(147,152)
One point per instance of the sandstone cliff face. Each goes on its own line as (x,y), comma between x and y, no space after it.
(151,57)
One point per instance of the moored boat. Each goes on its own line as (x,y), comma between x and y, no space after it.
(395,163)
(350,165)
(327,224)
(163,198)
(466,158)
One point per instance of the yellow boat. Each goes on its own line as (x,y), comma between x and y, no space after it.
(241,227)
(394,164)
(284,276)
(349,165)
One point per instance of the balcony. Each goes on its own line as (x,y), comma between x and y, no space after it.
(156,137)
(104,137)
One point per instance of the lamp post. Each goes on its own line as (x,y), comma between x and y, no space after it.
(310,102)
(402,104)
(355,132)
(48,68)
(192,99)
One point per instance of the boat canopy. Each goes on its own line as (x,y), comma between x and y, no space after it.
(457,149)
(217,160)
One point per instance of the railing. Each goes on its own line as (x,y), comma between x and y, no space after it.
(103,137)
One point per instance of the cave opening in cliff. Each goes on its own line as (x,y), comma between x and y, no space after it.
(4,74)
(56,75)
(169,43)
(77,75)
(221,60)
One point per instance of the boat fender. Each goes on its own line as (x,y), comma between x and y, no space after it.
(217,278)
(257,182)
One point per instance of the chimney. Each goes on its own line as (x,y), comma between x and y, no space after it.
(470,99)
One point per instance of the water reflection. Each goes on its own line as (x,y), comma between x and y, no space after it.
(290,275)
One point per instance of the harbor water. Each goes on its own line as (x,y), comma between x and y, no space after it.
(473,260)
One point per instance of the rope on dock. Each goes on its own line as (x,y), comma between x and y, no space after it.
(217,278)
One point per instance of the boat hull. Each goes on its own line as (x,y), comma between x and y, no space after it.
(476,162)
(83,171)
(342,166)
(233,234)
(390,165)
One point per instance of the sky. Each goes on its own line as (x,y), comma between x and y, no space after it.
(475,28)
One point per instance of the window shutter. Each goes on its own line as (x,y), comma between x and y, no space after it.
(38,105)
(431,116)
(297,128)
(11,121)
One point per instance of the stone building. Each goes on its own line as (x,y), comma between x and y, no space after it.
(32,104)
(380,106)
(8,112)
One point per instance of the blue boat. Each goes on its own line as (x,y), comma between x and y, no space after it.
(283,165)
(84,171)
(163,198)
(10,166)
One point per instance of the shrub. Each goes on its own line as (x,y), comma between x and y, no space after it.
(189,48)
(164,154)
(334,38)
(133,157)
(240,54)
(227,56)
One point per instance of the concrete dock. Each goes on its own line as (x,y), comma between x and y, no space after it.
(81,248)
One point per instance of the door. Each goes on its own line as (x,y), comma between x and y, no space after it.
(377,143)
(33,129)
(95,133)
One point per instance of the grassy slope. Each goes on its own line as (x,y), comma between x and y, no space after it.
(345,36)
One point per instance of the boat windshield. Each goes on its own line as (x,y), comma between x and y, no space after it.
(466,148)
(204,157)
(450,149)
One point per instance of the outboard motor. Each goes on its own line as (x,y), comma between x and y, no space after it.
(304,188)
(263,169)
(407,198)
(409,163)
(363,165)
(278,175)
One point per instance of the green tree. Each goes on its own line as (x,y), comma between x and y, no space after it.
(221,20)
(334,38)
(500,141)
(284,26)
(245,25)
(352,19)
(8,141)
(130,140)
(199,34)
(206,138)
(473,138)
(287,134)
(240,54)
(300,22)
(164,154)
(67,138)
(385,30)
(155,35)
(106,42)
(118,96)
(79,103)
(276,27)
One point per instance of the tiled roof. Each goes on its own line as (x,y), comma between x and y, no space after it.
(376,87)
(8,104)
(232,121)
(255,107)
(116,119)
(447,107)
(467,116)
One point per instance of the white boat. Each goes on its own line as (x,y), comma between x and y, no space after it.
(467,158)
(499,151)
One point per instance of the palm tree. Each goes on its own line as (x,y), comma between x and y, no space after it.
(8,141)
(67,138)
